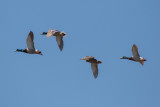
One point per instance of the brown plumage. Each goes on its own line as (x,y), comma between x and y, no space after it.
(30,45)
(135,55)
(94,64)
(30,40)
(59,36)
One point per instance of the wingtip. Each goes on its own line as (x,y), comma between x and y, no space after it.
(95,76)
(134,45)
(60,49)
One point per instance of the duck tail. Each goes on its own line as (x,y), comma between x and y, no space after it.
(99,62)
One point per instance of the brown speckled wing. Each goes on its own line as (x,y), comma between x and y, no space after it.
(50,33)
(89,57)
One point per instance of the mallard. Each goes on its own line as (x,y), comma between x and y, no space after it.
(59,36)
(30,46)
(94,64)
(135,55)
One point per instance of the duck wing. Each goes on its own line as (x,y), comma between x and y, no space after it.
(59,40)
(135,51)
(50,32)
(30,42)
(94,67)
(89,57)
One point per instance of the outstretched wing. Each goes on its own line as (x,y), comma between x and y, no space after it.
(50,32)
(135,51)
(59,40)
(94,67)
(90,57)
(30,42)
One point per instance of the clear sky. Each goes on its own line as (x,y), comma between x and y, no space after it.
(105,29)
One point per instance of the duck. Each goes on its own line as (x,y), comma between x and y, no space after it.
(94,64)
(59,36)
(30,45)
(135,56)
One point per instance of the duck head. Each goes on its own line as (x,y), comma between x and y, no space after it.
(44,33)
(123,57)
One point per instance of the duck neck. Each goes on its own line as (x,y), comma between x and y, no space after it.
(21,50)
(124,57)
(44,33)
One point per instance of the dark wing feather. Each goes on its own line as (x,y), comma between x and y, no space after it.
(135,51)
(30,42)
(59,40)
(94,67)
(89,57)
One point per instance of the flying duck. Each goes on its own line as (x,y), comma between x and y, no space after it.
(30,45)
(94,64)
(135,55)
(59,36)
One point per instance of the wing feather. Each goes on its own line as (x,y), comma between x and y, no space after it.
(135,51)
(50,33)
(30,42)
(94,67)
(59,40)
(89,57)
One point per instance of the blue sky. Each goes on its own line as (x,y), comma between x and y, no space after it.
(105,29)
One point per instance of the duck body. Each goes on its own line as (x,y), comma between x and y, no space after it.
(59,36)
(30,45)
(136,57)
(94,64)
